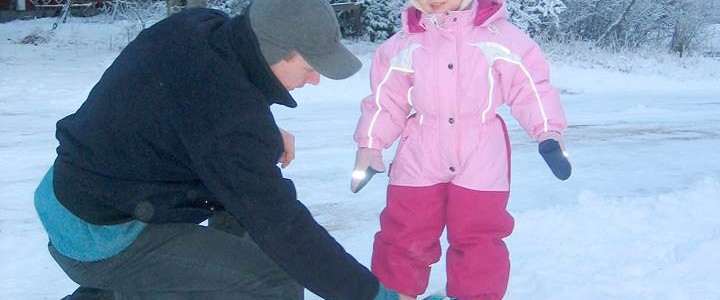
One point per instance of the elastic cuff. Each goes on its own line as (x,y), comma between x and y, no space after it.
(367,145)
(550,134)
(386,294)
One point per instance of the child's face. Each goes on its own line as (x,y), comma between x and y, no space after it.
(439,6)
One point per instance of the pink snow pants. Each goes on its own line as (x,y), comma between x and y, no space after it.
(478,264)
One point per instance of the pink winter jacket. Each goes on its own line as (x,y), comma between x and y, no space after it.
(438,84)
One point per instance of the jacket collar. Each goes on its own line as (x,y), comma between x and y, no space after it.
(245,46)
(484,12)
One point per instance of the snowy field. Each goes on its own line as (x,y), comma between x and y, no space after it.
(639,218)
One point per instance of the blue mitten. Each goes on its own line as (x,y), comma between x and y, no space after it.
(552,150)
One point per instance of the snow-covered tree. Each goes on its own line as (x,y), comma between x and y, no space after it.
(537,17)
(674,24)
(635,23)
(381,18)
(688,32)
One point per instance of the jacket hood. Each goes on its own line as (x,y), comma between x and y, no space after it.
(483,13)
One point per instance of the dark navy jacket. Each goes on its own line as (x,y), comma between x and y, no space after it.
(180,126)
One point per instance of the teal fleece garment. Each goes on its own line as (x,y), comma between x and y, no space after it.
(386,294)
(75,238)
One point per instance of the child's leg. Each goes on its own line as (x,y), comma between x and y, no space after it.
(409,238)
(478,264)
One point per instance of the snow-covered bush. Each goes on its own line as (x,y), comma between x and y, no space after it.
(231,7)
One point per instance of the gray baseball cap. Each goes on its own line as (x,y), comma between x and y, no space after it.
(309,27)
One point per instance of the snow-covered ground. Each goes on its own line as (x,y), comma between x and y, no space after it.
(639,219)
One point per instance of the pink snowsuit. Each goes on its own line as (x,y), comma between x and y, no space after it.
(437,85)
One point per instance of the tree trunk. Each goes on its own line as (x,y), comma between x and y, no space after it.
(617,22)
(676,43)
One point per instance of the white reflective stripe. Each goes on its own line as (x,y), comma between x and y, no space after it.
(491,81)
(402,62)
(494,29)
(534,89)
(379,108)
(494,52)
(358,174)
(422,118)
(378,92)
(402,70)
(409,95)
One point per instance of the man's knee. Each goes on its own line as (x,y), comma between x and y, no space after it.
(225,222)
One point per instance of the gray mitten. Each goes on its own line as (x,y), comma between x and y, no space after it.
(368,162)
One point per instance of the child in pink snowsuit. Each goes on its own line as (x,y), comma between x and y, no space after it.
(436,85)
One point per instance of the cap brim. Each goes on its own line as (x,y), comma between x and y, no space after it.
(339,64)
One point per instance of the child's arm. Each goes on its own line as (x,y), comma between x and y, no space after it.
(383,113)
(535,103)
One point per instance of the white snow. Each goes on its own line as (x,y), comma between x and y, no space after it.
(639,218)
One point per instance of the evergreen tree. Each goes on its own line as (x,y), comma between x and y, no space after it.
(381,18)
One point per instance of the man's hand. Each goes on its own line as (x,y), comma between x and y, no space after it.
(288,148)
(368,162)
(552,149)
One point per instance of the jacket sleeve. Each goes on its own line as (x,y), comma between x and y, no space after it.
(385,111)
(533,101)
(234,147)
